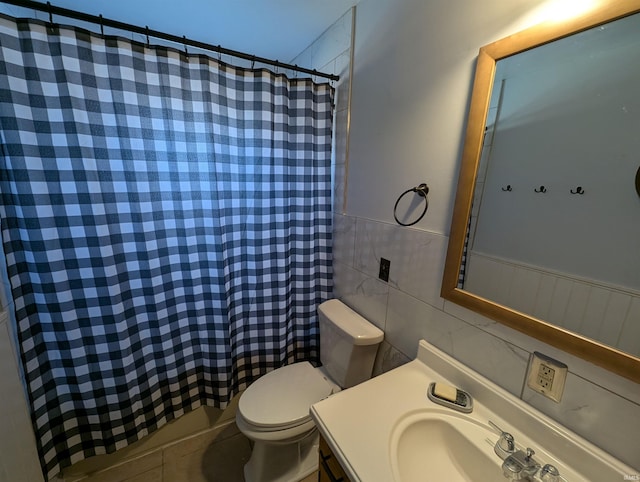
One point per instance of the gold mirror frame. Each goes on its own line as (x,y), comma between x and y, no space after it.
(605,356)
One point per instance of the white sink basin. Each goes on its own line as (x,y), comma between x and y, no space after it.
(439,445)
(387,429)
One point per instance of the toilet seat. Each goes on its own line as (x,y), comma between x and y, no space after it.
(281,399)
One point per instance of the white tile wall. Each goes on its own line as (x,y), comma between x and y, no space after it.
(367,295)
(405,318)
(601,407)
(598,416)
(331,53)
(418,257)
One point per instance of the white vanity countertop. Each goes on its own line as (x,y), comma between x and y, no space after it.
(358,423)
(356,427)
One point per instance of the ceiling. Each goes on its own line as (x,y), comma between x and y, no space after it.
(276,29)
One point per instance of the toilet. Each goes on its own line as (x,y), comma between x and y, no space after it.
(274,411)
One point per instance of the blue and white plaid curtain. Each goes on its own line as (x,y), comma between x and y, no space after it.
(166,223)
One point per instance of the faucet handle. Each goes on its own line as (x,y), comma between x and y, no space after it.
(549,473)
(505,445)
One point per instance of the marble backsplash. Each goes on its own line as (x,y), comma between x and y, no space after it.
(597,405)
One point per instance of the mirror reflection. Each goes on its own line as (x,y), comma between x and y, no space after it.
(555,225)
(546,223)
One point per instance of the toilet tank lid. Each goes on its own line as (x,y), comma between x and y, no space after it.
(361,331)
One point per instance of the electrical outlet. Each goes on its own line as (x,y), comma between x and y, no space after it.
(547,376)
(385,266)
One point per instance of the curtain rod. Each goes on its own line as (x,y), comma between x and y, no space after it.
(105,22)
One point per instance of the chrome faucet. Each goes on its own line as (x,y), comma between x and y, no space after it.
(520,465)
(505,445)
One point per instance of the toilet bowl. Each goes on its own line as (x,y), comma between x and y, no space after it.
(274,411)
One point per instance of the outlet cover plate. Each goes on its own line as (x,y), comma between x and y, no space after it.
(547,376)
(385,267)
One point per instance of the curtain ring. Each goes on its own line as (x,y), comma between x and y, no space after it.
(147,29)
(101,26)
(422,190)
(184,39)
(50,26)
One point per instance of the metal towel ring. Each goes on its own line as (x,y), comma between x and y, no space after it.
(422,190)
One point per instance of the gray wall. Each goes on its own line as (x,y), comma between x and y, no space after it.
(413,71)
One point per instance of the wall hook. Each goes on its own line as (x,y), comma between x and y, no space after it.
(578,190)
(542,189)
(508,188)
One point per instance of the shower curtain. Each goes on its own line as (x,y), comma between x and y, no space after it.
(166,224)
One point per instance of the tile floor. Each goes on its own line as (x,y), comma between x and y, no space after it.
(214,456)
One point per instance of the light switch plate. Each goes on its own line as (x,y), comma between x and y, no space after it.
(547,376)
(385,267)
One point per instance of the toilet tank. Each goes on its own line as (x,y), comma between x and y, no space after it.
(348,343)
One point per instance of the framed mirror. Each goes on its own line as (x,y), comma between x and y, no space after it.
(545,234)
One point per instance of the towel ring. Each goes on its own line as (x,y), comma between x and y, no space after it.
(422,190)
